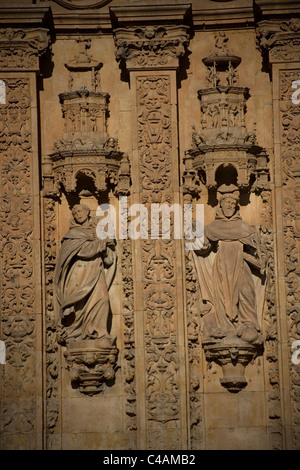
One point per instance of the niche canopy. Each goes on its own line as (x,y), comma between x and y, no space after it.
(224,139)
(85,151)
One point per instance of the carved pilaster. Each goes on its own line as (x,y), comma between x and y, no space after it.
(280,40)
(289,151)
(195,353)
(52,376)
(21,324)
(20,308)
(151,54)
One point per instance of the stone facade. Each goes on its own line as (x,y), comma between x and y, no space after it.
(133,341)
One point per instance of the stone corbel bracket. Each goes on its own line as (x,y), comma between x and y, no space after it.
(152,36)
(92,364)
(233,358)
(248,160)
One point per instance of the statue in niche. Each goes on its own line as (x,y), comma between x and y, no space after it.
(231,271)
(84,272)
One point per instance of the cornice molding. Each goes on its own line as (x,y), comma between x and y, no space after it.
(24,15)
(271,8)
(141,14)
(82,4)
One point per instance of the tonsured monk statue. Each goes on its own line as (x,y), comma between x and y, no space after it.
(230,269)
(83,275)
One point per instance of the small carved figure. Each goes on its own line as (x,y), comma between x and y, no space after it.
(231,292)
(233,115)
(214,113)
(111,144)
(84,272)
(212,76)
(221,42)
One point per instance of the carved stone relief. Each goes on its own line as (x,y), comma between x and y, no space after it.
(194,347)
(154,128)
(270,322)
(226,159)
(84,271)
(150,53)
(279,39)
(129,337)
(231,269)
(85,160)
(50,251)
(151,46)
(242,294)
(20,49)
(17,272)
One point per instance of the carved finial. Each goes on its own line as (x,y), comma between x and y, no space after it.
(84,63)
(221,64)
(83,56)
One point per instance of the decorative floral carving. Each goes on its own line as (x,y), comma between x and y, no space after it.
(289,147)
(18,296)
(280,38)
(129,341)
(151,46)
(158,256)
(156,47)
(21,48)
(52,353)
(194,349)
